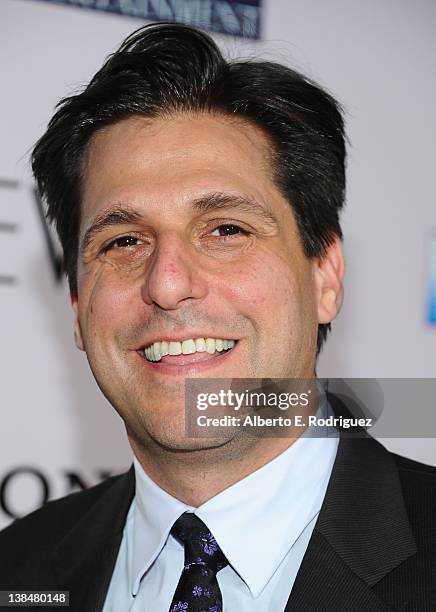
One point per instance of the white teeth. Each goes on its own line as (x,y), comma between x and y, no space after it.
(175,348)
(200,345)
(188,347)
(210,345)
(158,349)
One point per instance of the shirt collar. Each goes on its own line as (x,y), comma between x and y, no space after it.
(279,500)
(155,513)
(292,485)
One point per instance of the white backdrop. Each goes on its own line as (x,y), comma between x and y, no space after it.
(377,57)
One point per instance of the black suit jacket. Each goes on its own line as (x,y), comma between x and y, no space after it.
(373,547)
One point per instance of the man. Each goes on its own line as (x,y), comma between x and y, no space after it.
(197,202)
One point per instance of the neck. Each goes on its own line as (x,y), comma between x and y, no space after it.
(199,470)
(195,476)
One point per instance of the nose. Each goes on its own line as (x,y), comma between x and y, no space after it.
(173,275)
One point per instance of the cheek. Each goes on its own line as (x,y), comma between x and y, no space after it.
(263,284)
(102,303)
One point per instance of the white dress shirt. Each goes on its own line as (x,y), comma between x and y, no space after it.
(262,524)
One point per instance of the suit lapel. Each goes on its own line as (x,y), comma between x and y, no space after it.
(85,558)
(362,531)
(325,583)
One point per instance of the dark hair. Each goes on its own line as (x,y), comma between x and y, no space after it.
(165,68)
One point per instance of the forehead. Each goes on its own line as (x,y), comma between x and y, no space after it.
(173,159)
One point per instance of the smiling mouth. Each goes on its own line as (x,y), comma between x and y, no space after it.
(191,350)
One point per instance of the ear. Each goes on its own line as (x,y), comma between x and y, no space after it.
(329,274)
(77,331)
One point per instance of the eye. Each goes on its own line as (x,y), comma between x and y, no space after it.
(122,242)
(228,229)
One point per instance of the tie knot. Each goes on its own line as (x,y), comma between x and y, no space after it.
(201,548)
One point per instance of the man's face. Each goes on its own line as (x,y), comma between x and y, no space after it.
(185,236)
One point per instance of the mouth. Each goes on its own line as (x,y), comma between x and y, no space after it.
(166,351)
(187,352)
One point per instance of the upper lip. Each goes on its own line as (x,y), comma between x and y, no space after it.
(182,337)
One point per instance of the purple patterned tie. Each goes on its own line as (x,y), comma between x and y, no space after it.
(198,589)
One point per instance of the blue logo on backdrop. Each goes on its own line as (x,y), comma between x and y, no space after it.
(432,281)
(235,17)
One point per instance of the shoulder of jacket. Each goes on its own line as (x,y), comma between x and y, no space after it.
(53,520)
(415,470)
(418,483)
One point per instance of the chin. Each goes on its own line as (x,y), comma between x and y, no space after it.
(182,444)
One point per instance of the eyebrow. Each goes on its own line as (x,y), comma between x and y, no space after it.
(224,201)
(118,215)
(125,214)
